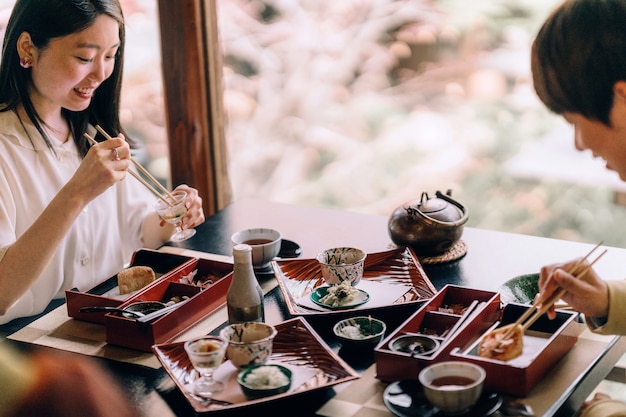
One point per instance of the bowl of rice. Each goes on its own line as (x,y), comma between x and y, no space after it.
(264,380)
(360,332)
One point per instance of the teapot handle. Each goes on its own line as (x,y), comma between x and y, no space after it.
(447,197)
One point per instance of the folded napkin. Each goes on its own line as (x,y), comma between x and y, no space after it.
(381,294)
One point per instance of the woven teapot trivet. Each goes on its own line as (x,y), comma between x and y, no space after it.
(457,251)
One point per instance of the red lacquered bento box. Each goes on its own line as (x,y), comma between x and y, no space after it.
(106,294)
(124,331)
(546,342)
(440,319)
(180,283)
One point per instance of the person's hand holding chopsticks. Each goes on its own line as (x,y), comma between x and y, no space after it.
(193,202)
(588,295)
(101,168)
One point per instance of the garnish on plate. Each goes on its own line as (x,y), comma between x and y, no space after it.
(339,295)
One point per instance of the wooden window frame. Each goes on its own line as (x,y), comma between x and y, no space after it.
(192,69)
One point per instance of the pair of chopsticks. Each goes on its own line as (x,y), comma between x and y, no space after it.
(556,296)
(162,192)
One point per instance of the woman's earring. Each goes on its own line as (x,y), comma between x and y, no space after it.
(26,62)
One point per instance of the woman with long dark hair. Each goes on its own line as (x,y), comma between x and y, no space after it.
(69,217)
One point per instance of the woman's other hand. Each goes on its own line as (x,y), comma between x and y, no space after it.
(193,203)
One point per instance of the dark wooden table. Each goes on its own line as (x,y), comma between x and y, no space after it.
(492,258)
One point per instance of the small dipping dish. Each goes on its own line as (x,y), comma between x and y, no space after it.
(414,344)
(264,380)
(359,332)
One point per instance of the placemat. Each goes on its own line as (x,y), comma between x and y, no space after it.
(57,330)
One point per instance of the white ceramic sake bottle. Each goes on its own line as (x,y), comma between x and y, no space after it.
(244,299)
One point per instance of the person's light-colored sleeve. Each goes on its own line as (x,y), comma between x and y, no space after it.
(615,324)
(605,408)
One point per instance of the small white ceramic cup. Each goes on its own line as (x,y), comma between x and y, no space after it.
(452,386)
(265,244)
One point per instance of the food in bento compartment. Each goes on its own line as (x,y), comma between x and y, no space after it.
(204,281)
(453,309)
(339,295)
(134,278)
(494,346)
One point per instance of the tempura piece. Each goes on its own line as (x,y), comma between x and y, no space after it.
(493,345)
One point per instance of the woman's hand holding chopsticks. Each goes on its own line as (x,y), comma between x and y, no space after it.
(588,295)
(100,169)
(122,157)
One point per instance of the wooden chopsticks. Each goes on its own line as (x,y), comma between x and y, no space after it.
(168,198)
(556,296)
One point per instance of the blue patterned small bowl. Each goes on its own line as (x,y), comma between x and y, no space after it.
(249,343)
(342,264)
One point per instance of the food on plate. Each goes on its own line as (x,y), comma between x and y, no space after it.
(494,346)
(134,278)
(266,377)
(339,295)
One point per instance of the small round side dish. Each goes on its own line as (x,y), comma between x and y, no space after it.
(143,307)
(360,332)
(414,344)
(264,380)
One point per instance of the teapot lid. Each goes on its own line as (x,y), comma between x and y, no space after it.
(441,208)
(431,205)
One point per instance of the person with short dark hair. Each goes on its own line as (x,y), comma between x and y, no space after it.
(579,71)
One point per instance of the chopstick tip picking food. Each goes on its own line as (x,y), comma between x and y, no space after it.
(506,343)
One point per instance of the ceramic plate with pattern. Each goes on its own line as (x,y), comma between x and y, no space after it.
(296,344)
(521,289)
(298,278)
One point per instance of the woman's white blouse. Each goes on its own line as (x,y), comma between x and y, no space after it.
(101,240)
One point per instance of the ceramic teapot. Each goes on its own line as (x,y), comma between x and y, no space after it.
(430,226)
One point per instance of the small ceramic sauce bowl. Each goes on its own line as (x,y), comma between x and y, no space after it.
(414,344)
(452,386)
(342,264)
(264,380)
(265,244)
(360,333)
